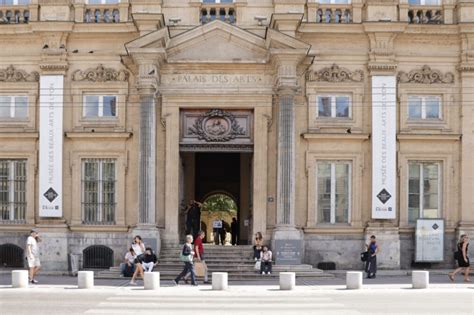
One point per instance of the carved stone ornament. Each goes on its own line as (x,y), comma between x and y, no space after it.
(100,74)
(11,74)
(425,75)
(216,126)
(336,74)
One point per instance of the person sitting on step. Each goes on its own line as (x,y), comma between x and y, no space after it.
(266,261)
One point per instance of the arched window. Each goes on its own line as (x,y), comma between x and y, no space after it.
(11,255)
(98,256)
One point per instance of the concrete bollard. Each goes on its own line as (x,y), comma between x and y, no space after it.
(151,280)
(354,280)
(20,278)
(287,280)
(219,281)
(420,279)
(85,279)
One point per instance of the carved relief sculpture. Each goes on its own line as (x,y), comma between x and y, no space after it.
(100,74)
(216,126)
(425,75)
(336,74)
(11,74)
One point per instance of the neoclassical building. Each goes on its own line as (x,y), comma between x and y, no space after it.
(326,121)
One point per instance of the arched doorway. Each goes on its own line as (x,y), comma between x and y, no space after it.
(218,205)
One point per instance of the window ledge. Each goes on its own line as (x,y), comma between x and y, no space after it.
(21,135)
(335,136)
(339,228)
(436,137)
(99,228)
(95,135)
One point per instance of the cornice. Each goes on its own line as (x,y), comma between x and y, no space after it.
(98,135)
(336,136)
(429,137)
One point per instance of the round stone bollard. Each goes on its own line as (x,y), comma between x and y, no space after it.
(20,279)
(354,280)
(287,280)
(420,279)
(151,280)
(85,279)
(219,281)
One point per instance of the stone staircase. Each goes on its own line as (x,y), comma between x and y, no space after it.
(235,260)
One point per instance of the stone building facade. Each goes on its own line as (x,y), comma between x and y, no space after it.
(268,101)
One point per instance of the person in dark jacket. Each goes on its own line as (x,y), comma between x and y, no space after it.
(462,258)
(234,229)
(144,263)
(371,264)
(187,256)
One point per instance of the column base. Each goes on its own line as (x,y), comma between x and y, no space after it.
(287,245)
(389,240)
(150,235)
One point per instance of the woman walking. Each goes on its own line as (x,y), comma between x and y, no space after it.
(463,259)
(187,255)
(371,265)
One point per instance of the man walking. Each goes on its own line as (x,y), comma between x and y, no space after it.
(32,255)
(234,229)
(199,250)
(217,229)
(187,255)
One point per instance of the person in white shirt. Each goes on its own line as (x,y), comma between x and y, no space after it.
(128,266)
(138,246)
(32,255)
(266,261)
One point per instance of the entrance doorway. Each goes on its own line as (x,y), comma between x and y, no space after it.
(218,206)
(208,175)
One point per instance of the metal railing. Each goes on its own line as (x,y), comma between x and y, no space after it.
(98,256)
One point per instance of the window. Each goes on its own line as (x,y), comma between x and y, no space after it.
(13,106)
(423,190)
(334,106)
(217,1)
(14,2)
(334,192)
(102,1)
(100,106)
(424,107)
(98,191)
(335,1)
(12,190)
(424,2)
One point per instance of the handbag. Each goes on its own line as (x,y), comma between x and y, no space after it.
(364,256)
(200,268)
(257,266)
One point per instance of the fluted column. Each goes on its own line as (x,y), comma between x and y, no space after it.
(286,158)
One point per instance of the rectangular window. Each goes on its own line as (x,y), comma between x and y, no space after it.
(13,190)
(424,107)
(424,187)
(334,192)
(14,2)
(98,191)
(100,106)
(13,106)
(334,106)
(424,2)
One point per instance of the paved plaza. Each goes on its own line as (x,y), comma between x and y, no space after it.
(384,295)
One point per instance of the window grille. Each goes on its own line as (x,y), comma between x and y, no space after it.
(98,257)
(11,256)
(12,191)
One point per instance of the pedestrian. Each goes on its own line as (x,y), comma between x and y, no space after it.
(138,246)
(216,228)
(144,263)
(187,255)
(234,228)
(32,255)
(462,257)
(127,268)
(223,232)
(371,264)
(257,248)
(199,255)
(193,218)
(266,261)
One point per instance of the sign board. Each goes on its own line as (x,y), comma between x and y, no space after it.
(288,252)
(429,243)
(384,125)
(51,146)
(217,224)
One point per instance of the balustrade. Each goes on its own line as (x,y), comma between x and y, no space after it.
(334,14)
(14,14)
(224,12)
(425,15)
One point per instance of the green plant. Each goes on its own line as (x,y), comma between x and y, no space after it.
(220,203)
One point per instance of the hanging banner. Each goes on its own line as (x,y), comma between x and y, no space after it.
(429,244)
(51,146)
(384,147)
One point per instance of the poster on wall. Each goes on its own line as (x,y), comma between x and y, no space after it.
(51,146)
(384,147)
(429,242)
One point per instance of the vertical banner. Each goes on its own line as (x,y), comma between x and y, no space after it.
(384,147)
(51,146)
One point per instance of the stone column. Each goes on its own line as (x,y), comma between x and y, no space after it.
(147,158)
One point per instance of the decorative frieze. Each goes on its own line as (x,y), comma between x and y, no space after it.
(425,75)
(100,74)
(336,74)
(216,126)
(11,74)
